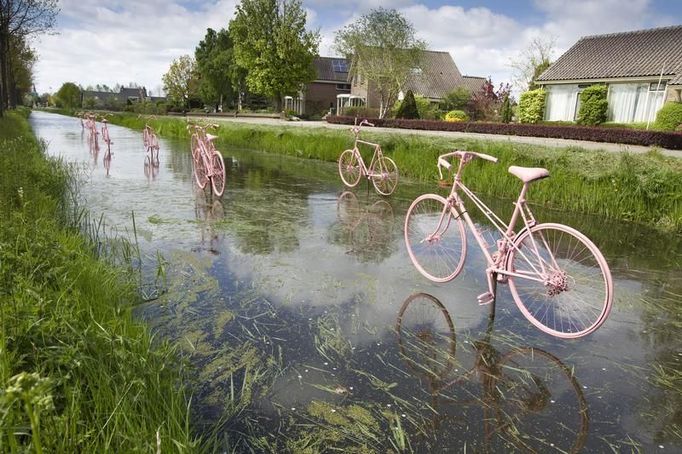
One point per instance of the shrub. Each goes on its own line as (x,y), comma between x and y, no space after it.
(361,112)
(456,115)
(506,112)
(408,108)
(456,99)
(593,105)
(669,118)
(532,106)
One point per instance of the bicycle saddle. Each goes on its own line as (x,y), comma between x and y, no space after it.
(211,137)
(528,174)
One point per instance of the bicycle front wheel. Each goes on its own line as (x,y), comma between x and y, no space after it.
(200,171)
(563,284)
(349,168)
(386,179)
(435,239)
(218,177)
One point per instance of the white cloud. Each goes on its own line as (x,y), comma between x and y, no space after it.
(126,41)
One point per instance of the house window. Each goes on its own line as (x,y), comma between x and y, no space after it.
(630,103)
(342,87)
(657,86)
(339,66)
(561,102)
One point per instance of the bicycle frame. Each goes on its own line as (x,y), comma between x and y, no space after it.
(498,260)
(368,171)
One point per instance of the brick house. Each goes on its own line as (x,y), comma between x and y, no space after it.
(643,70)
(320,96)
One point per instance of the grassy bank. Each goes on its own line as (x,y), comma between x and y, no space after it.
(77,373)
(641,188)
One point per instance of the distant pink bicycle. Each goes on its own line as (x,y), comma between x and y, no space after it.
(558,278)
(381,170)
(207,161)
(151,146)
(106,138)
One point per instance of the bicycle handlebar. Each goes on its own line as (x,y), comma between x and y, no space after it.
(462,155)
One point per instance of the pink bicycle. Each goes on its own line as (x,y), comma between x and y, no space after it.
(558,278)
(91,125)
(207,161)
(151,146)
(382,170)
(105,138)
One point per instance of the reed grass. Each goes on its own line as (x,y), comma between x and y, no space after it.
(643,188)
(77,372)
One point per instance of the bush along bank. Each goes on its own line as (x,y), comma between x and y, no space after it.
(77,373)
(643,188)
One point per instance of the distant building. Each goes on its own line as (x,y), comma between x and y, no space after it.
(93,98)
(642,69)
(319,96)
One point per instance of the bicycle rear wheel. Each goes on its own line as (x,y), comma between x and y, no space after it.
(386,182)
(200,171)
(349,168)
(435,239)
(218,177)
(568,291)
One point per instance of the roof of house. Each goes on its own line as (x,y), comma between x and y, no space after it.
(473,83)
(437,77)
(331,69)
(650,52)
(138,92)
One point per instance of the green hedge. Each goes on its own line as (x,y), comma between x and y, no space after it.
(669,118)
(532,106)
(593,105)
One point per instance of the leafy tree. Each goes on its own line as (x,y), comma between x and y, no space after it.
(530,63)
(21,71)
(486,104)
(593,105)
(271,43)
(408,108)
(69,95)
(220,76)
(20,19)
(181,82)
(506,112)
(383,50)
(456,99)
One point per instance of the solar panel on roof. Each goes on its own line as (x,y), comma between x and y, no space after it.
(339,66)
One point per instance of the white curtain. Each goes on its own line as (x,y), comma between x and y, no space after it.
(634,103)
(561,102)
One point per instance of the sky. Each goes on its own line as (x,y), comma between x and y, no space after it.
(124,41)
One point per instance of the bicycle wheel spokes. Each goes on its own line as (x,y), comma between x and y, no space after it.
(218,176)
(435,239)
(569,291)
(349,168)
(387,179)
(200,170)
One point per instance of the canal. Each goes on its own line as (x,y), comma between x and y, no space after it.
(301,317)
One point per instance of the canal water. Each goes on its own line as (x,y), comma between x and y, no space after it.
(305,326)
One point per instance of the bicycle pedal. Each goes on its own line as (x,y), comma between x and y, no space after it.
(485,298)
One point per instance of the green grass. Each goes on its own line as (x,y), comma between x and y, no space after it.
(77,372)
(644,188)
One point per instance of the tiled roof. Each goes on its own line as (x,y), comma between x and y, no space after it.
(438,76)
(677,80)
(629,54)
(325,69)
(473,83)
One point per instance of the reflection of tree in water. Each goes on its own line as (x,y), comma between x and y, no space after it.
(662,319)
(265,213)
(525,399)
(364,227)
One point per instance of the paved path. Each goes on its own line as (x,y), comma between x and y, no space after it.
(558,143)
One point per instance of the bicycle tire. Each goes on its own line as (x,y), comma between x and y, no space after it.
(576,294)
(218,175)
(438,259)
(349,168)
(200,170)
(386,183)
(542,406)
(426,336)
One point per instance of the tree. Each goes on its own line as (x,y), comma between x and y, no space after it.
(273,46)
(20,19)
(456,99)
(486,104)
(180,82)
(530,63)
(219,75)
(506,112)
(69,96)
(408,108)
(383,50)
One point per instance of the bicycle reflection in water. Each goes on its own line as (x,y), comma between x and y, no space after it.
(150,171)
(365,228)
(209,211)
(530,400)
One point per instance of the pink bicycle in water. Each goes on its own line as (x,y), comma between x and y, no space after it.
(558,278)
(207,161)
(382,170)
(90,124)
(151,146)
(105,138)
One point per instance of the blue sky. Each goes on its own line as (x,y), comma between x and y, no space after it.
(124,41)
